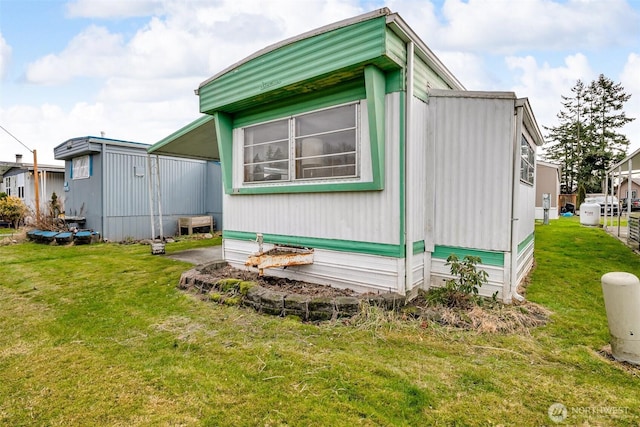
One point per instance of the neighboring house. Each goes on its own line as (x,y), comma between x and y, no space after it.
(17,179)
(623,188)
(547,181)
(353,140)
(108,183)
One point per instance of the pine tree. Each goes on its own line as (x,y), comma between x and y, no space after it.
(587,142)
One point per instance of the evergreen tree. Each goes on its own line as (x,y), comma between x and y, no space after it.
(568,137)
(587,142)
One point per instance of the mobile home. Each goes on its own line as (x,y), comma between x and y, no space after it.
(111,186)
(17,179)
(356,144)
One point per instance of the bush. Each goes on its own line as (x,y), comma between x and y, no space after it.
(461,291)
(12,209)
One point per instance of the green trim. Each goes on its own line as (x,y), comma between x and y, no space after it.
(488,257)
(342,94)
(180,132)
(525,242)
(375,87)
(224,135)
(369,248)
(418,247)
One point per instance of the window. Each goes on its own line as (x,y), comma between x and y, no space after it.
(314,146)
(21,192)
(527,162)
(7,186)
(80,167)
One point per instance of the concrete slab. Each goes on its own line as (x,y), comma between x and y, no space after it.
(199,256)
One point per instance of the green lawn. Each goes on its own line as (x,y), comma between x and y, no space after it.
(100,335)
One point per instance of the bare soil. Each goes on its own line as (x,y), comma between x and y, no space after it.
(276,283)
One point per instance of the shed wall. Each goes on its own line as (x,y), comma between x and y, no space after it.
(474,152)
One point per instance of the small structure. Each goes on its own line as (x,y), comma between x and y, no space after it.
(547,182)
(623,189)
(354,142)
(108,184)
(16,179)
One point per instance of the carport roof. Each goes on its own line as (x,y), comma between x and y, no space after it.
(197,140)
(623,165)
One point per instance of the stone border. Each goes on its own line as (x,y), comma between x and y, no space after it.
(263,300)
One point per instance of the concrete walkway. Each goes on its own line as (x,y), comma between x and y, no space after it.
(199,256)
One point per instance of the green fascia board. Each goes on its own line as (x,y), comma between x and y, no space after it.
(488,257)
(372,89)
(525,242)
(224,134)
(375,84)
(369,248)
(304,60)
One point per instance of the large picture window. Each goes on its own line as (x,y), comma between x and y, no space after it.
(527,162)
(80,167)
(312,146)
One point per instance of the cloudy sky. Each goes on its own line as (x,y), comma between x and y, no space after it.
(129,68)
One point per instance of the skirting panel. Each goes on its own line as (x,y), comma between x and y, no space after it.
(441,272)
(359,272)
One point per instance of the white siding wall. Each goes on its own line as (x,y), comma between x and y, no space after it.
(474,152)
(366,216)
(359,272)
(441,272)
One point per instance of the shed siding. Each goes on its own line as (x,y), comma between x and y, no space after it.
(474,148)
(338,215)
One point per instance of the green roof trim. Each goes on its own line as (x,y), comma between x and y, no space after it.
(196,140)
(304,66)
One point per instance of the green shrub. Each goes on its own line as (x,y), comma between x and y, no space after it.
(12,209)
(461,291)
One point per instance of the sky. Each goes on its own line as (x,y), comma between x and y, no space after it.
(128,68)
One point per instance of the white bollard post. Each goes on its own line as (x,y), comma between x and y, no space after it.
(622,301)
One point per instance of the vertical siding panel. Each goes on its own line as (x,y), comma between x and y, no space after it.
(473,172)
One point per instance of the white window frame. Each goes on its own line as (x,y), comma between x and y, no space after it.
(527,162)
(81,167)
(291,176)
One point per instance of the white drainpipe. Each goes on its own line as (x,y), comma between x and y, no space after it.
(514,202)
(408,205)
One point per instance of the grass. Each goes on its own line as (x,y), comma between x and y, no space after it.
(99,335)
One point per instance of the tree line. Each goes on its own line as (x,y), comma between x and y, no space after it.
(587,140)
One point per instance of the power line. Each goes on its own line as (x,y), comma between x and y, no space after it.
(30,150)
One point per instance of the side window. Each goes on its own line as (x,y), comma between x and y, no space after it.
(81,167)
(313,146)
(527,162)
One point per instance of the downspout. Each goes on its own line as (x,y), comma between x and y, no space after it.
(514,202)
(103,185)
(408,206)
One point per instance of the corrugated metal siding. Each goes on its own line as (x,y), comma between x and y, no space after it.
(370,216)
(525,262)
(125,193)
(184,186)
(214,193)
(424,78)
(473,140)
(418,183)
(363,273)
(294,63)
(441,272)
(526,211)
(395,48)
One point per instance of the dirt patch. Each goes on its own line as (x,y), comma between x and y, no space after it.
(490,317)
(276,283)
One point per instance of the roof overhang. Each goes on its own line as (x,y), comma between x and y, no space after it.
(623,165)
(197,140)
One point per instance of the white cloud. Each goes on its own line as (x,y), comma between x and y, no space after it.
(543,84)
(112,9)
(631,83)
(5,57)
(508,27)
